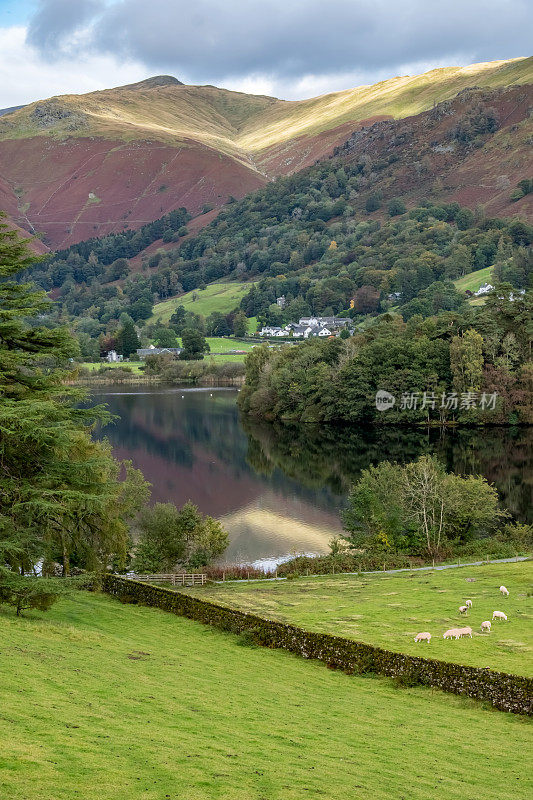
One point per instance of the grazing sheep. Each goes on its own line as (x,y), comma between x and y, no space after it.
(485,626)
(465,631)
(463,609)
(468,603)
(504,591)
(499,615)
(423,637)
(453,633)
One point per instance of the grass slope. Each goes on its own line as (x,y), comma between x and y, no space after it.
(389,610)
(474,280)
(223,297)
(101,700)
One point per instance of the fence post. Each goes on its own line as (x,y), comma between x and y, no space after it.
(224,575)
(433,562)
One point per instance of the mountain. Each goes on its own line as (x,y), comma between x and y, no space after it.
(78,166)
(401,209)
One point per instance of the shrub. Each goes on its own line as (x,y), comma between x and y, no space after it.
(26,593)
(396,207)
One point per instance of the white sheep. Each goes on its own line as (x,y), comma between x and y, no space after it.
(463,609)
(453,633)
(468,603)
(499,615)
(485,626)
(465,632)
(504,591)
(423,637)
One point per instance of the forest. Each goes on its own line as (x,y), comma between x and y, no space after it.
(467,366)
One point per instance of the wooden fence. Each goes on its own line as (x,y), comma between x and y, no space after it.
(176,579)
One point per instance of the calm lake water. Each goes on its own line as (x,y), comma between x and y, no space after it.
(279,489)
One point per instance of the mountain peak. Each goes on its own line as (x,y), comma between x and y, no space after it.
(151,83)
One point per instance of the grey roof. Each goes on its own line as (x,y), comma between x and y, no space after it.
(156,351)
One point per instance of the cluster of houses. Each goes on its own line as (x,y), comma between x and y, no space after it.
(307,327)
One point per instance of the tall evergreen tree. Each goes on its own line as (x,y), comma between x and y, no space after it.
(128,339)
(60,494)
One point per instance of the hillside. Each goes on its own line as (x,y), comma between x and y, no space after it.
(78,166)
(120,701)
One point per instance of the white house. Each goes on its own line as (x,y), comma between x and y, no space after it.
(271,330)
(112,357)
(485,289)
(330,322)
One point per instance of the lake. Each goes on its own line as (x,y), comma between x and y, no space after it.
(278,489)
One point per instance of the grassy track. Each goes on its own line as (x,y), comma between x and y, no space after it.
(101,700)
(389,610)
(223,297)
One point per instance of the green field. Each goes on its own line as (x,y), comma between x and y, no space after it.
(389,610)
(223,297)
(474,280)
(135,366)
(103,700)
(219,344)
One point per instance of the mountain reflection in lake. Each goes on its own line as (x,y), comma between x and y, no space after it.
(279,489)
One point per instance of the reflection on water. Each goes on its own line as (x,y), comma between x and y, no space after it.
(278,489)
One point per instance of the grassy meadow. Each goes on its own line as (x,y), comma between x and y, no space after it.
(474,280)
(223,297)
(103,700)
(135,366)
(389,610)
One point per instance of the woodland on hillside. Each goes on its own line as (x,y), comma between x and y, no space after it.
(469,366)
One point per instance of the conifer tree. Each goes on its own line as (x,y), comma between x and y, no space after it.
(60,493)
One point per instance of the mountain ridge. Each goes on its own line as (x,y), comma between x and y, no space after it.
(76,166)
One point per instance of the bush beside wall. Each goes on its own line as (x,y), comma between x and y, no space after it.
(506,692)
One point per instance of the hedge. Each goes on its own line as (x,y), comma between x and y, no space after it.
(506,692)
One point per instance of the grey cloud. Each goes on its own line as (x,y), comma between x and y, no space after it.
(56,20)
(210,41)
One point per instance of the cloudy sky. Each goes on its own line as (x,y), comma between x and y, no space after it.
(288,48)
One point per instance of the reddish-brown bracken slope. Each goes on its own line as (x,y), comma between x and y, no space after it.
(83,187)
(447,153)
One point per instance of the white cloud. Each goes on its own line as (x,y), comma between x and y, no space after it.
(26,74)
